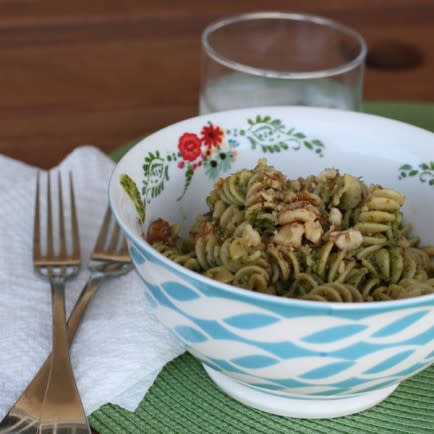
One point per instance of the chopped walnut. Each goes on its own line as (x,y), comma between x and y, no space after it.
(306,214)
(312,198)
(251,236)
(276,184)
(294,185)
(298,204)
(290,196)
(347,240)
(289,235)
(313,231)
(328,174)
(271,196)
(335,217)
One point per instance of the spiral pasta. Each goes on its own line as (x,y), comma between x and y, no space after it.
(328,237)
(185,259)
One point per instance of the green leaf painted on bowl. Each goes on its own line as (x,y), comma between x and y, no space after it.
(133,193)
(214,150)
(423,171)
(156,172)
(188,177)
(271,135)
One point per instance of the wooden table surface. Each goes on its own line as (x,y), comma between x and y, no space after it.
(105,72)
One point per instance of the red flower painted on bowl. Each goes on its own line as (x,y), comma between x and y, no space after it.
(212,135)
(189,146)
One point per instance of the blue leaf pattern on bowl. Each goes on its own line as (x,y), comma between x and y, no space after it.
(327,370)
(251,321)
(179,292)
(335,333)
(190,334)
(255,362)
(136,255)
(390,362)
(400,324)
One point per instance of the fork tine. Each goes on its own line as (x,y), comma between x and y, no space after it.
(114,237)
(111,236)
(50,249)
(100,242)
(61,218)
(74,222)
(122,251)
(36,223)
(124,246)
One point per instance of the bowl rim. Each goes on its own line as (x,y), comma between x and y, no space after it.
(242,292)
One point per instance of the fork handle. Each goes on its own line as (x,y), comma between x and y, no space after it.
(24,414)
(82,304)
(62,404)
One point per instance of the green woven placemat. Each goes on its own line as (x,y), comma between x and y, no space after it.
(183,400)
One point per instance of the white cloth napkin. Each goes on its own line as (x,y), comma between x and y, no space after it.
(120,347)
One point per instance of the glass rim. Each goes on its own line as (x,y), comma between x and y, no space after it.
(293,16)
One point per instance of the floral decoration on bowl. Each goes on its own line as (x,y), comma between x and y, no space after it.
(213,150)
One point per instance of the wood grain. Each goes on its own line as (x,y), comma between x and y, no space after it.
(106,72)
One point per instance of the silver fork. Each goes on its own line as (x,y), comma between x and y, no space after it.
(110,258)
(62,405)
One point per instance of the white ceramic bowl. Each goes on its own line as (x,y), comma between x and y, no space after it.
(286,356)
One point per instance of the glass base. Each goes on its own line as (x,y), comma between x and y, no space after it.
(299,408)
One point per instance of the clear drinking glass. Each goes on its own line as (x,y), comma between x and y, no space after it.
(277,58)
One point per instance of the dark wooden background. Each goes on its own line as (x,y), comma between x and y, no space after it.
(105,72)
